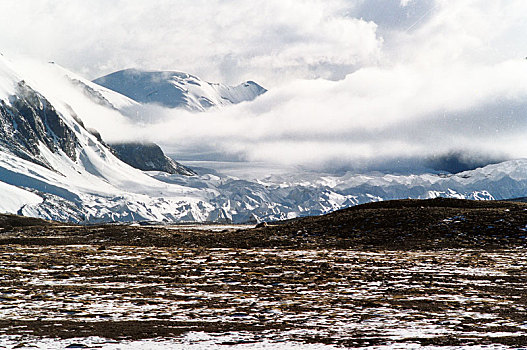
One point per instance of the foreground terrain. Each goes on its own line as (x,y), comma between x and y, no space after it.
(397,274)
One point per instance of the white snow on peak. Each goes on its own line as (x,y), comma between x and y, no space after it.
(177,89)
(514,169)
(8,79)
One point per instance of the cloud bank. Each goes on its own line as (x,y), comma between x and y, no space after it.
(353,84)
(269,41)
(372,117)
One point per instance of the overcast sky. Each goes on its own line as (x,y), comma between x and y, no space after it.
(350,80)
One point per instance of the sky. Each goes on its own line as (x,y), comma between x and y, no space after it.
(352,83)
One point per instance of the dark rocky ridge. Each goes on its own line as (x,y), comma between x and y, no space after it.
(415,224)
(148,157)
(9,222)
(400,225)
(29,119)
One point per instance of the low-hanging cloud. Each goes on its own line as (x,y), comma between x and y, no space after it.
(371,116)
(450,88)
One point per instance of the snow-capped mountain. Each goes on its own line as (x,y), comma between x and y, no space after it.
(53,166)
(303,194)
(177,90)
(146,156)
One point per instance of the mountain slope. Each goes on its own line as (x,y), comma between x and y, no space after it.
(28,119)
(148,157)
(177,90)
(46,152)
(79,92)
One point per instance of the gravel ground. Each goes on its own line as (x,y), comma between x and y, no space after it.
(442,274)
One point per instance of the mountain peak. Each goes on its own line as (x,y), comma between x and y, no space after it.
(175,89)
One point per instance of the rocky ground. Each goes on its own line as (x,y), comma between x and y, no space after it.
(405,224)
(437,272)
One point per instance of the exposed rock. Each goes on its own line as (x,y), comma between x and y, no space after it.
(148,157)
(30,119)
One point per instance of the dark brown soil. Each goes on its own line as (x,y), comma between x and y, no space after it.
(342,297)
(403,224)
(434,272)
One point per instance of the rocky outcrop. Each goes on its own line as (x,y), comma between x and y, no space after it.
(29,120)
(148,157)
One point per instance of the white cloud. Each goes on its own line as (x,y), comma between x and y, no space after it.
(481,31)
(440,77)
(372,117)
(264,40)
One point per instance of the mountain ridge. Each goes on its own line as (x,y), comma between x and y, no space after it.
(175,89)
(148,156)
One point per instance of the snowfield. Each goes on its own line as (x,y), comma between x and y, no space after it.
(14,198)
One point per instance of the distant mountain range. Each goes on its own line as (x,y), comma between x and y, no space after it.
(53,166)
(177,90)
